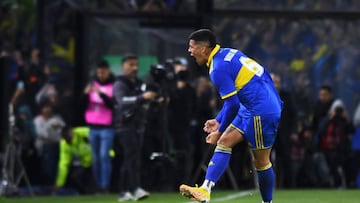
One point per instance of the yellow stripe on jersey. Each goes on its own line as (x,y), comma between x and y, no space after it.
(260,134)
(211,67)
(259,141)
(213,52)
(256,133)
(229,95)
(243,77)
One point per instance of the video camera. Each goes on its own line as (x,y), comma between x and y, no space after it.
(163,72)
(165,76)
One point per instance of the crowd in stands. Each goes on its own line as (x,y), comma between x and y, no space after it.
(325,5)
(314,64)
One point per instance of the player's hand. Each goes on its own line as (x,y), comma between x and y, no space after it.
(213,137)
(211,126)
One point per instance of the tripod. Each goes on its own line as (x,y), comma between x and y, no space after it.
(13,170)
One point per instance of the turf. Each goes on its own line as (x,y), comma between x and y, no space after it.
(281,196)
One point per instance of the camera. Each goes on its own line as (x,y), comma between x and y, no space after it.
(339,111)
(163,72)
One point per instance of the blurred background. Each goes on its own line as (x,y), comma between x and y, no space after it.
(49,50)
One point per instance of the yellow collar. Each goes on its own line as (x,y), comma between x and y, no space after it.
(213,52)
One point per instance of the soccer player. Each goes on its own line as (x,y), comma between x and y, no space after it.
(251,112)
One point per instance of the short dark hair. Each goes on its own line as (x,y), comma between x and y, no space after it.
(103,64)
(128,57)
(326,88)
(204,35)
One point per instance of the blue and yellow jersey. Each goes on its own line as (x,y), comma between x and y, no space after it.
(233,73)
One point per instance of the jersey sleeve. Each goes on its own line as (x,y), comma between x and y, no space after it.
(224,83)
(219,116)
(227,90)
(229,111)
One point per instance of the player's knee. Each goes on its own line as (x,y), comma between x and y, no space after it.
(261,163)
(229,140)
(225,141)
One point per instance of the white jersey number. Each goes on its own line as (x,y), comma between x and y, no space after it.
(251,65)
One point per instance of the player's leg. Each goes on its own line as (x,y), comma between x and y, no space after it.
(221,156)
(216,167)
(266,177)
(262,139)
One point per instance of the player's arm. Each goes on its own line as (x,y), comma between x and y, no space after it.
(230,109)
(226,87)
(219,116)
(212,125)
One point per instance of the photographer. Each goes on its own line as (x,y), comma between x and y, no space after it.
(129,126)
(48,127)
(181,113)
(334,141)
(75,160)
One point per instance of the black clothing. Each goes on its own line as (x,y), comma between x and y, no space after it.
(320,111)
(181,113)
(129,114)
(287,126)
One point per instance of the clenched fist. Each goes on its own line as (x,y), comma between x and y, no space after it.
(211,126)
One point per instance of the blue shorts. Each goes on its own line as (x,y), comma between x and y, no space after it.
(259,131)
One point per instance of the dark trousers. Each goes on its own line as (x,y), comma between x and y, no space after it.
(49,160)
(81,179)
(130,143)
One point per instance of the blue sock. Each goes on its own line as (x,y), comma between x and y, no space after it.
(218,163)
(266,182)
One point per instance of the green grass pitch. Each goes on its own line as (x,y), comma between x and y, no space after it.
(280,196)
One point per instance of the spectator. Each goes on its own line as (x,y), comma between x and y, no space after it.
(48,128)
(34,77)
(48,93)
(309,167)
(26,129)
(287,127)
(74,166)
(298,143)
(334,141)
(98,116)
(356,147)
(129,125)
(322,106)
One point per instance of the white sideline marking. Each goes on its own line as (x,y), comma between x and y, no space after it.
(231,196)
